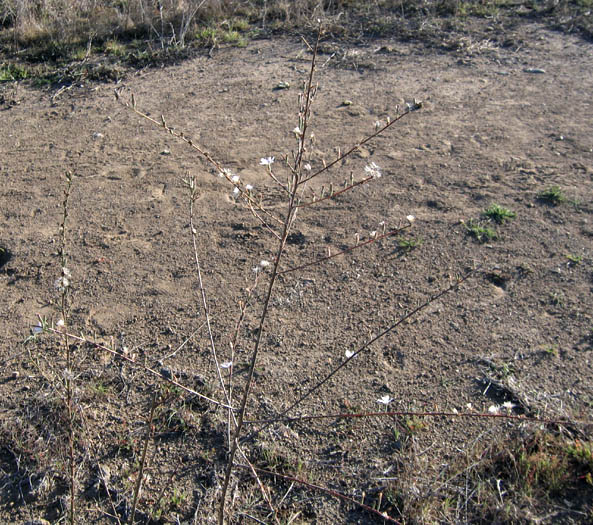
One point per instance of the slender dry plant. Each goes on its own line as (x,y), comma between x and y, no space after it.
(147,439)
(294,188)
(63,286)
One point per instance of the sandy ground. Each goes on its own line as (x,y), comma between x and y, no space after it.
(491,130)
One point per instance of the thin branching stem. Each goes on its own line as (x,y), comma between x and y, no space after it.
(411,108)
(406,413)
(347,250)
(290,216)
(364,347)
(336,193)
(326,490)
(204,300)
(147,438)
(83,339)
(217,165)
(253,362)
(64,288)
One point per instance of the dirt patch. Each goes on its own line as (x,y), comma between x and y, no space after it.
(499,126)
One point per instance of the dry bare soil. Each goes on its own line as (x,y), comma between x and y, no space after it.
(493,129)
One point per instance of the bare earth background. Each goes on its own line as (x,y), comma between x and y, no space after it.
(489,132)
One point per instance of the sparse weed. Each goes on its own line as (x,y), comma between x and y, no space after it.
(557,298)
(480,233)
(12,72)
(499,214)
(407,245)
(553,195)
(574,259)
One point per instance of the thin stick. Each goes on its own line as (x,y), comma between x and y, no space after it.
(83,339)
(414,107)
(326,490)
(193,194)
(187,340)
(286,229)
(347,250)
(335,193)
(147,438)
(399,413)
(199,149)
(364,347)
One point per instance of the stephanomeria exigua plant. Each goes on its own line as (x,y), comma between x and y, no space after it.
(297,178)
(294,183)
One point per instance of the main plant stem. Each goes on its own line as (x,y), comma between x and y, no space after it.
(304,111)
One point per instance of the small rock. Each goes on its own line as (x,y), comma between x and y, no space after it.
(283,85)
(534,70)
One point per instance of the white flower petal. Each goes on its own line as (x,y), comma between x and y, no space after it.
(349,353)
(373,170)
(226,364)
(385,400)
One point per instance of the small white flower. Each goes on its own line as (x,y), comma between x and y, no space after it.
(248,187)
(307,167)
(264,264)
(410,218)
(508,405)
(235,179)
(494,409)
(455,411)
(66,272)
(373,234)
(236,191)
(373,170)
(385,400)
(226,364)
(349,353)
(469,406)
(60,323)
(378,125)
(297,131)
(266,161)
(61,283)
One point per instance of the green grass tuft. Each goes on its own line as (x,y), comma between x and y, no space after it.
(499,214)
